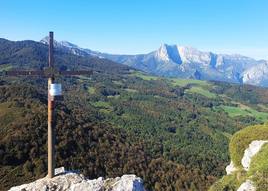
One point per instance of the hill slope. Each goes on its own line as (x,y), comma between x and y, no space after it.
(150,125)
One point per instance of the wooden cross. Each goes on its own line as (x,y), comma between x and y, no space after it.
(54,91)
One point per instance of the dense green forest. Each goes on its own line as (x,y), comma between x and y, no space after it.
(173,133)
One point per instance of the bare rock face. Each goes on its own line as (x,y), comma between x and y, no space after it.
(230,168)
(252,150)
(247,186)
(71,181)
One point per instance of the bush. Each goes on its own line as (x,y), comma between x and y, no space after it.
(228,183)
(28,167)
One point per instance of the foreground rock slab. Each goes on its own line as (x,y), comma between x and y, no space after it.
(71,181)
(247,186)
(230,168)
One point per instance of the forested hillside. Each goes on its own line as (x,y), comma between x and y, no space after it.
(172,133)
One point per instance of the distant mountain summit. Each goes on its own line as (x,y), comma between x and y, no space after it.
(186,62)
(69,47)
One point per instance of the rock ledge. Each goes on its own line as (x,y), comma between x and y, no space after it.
(71,181)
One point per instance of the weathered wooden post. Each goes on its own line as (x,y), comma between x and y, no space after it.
(50,121)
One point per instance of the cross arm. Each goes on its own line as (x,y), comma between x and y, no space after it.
(47,72)
(23,73)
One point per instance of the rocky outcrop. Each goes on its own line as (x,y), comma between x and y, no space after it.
(230,168)
(247,186)
(252,150)
(248,168)
(71,181)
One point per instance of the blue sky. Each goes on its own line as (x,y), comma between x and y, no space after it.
(140,26)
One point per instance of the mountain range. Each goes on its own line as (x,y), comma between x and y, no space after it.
(186,62)
(180,142)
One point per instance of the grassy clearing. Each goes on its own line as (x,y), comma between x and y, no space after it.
(5,67)
(91,90)
(199,89)
(185,82)
(202,91)
(234,111)
(263,107)
(245,111)
(118,83)
(263,116)
(113,97)
(102,104)
(144,76)
(105,111)
(131,90)
(84,77)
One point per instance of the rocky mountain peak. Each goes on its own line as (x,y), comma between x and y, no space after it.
(184,61)
(169,53)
